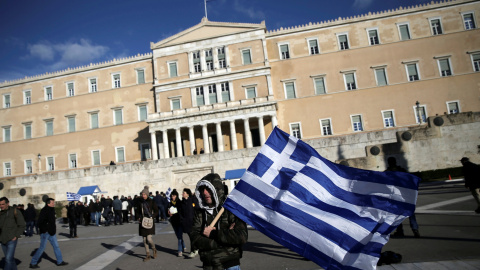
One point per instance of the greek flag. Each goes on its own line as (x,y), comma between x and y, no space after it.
(338,217)
(73,196)
(167,193)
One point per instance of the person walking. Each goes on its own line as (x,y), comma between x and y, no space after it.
(107,210)
(12,225)
(124,209)
(220,246)
(48,230)
(147,208)
(187,217)
(175,211)
(98,212)
(117,210)
(159,202)
(30,215)
(471,173)
(72,219)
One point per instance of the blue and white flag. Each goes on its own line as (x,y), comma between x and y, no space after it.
(338,217)
(167,193)
(73,196)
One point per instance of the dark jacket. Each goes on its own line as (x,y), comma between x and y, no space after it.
(176,219)
(46,220)
(148,207)
(223,249)
(187,214)
(117,204)
(12,224)
(471,172)
(30,213)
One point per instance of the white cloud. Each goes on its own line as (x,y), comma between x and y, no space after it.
(361,4)
(44,51)
(249,11)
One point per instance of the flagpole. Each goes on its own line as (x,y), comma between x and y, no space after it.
(205,2)
(217,217)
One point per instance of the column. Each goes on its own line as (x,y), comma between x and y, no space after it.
(219,137)
(261,130)
(274,121)
(153,138)
(165,143)
(191,138)
(248,134)
(206,147)
(233,135)
(178,140)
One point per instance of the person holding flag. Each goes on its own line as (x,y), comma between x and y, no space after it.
(219,243)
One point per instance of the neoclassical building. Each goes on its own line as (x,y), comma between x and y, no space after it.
(220,87)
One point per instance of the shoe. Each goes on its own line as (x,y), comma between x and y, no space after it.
(62,263)
(416,233)
(154,253)
(179,254)
(75,237)
(193,254)
(147,258)
(34,266)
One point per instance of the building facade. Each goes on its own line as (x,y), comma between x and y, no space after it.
(220,87)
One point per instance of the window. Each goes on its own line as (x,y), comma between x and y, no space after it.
(319,86)
(48,127)
(94,120)
(412,72)
(212,94)
(209,59)
(175,104)
(444,66)
(343,41)
(326,127)
(70,89)
(120,154)
(373,36)
(28,166)
(381,76)
(6,101)
(96,157)
(199,95)
(27,97)
(72,161)
(145,151)
(142,112)
(404,31)
(290,90)
(246,57)
(116,80)
(251,92)
(7,169)
(50,163)
(172,69)
(453,107)
(436,25)
(313,45)
(295,130)
(92,85)
(225,91)
(118,116)
(284,51)
(48,93)
(476,61)
(196,61)
(7,134)
(141,76)
(469,21)
(350,83)
(357,123)
(71,123)
(221,57)
(420,113)
(27,130)
(388,119)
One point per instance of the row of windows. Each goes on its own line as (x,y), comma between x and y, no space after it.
(374,36)
(70,88)
(388,117)
(71,122)
(72,160)
(380,73)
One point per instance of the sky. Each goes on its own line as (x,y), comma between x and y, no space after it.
(38,36)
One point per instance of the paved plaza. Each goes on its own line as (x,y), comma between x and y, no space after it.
(450,239)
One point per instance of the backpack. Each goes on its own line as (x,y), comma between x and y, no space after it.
(389,257)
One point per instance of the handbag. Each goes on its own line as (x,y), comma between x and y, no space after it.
(147,222)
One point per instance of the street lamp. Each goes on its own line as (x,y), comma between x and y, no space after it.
(418,112)
(39,163)
(39,156)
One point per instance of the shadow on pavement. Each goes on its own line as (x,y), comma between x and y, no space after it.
(273,250)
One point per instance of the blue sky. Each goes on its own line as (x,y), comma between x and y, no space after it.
(38,36)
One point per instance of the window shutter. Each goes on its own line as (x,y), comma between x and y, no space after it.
(94,118)
(412,70)
(349,78)
(118,117)
(71,124)
(475,57)
(251,92)
(387,115)
(381,78)
(290,88)
(120,154)
(49,128)
(141,76)
(404,33)
(246,57)
(175,104)
(319,86)
(453,107)
(7,99)
(342,38)
(7,134)
(28,131)
(372,33)
(96,158)
(143,113)
(313,43)
(356,119)
(444,66)
(284,48)
(325,123)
